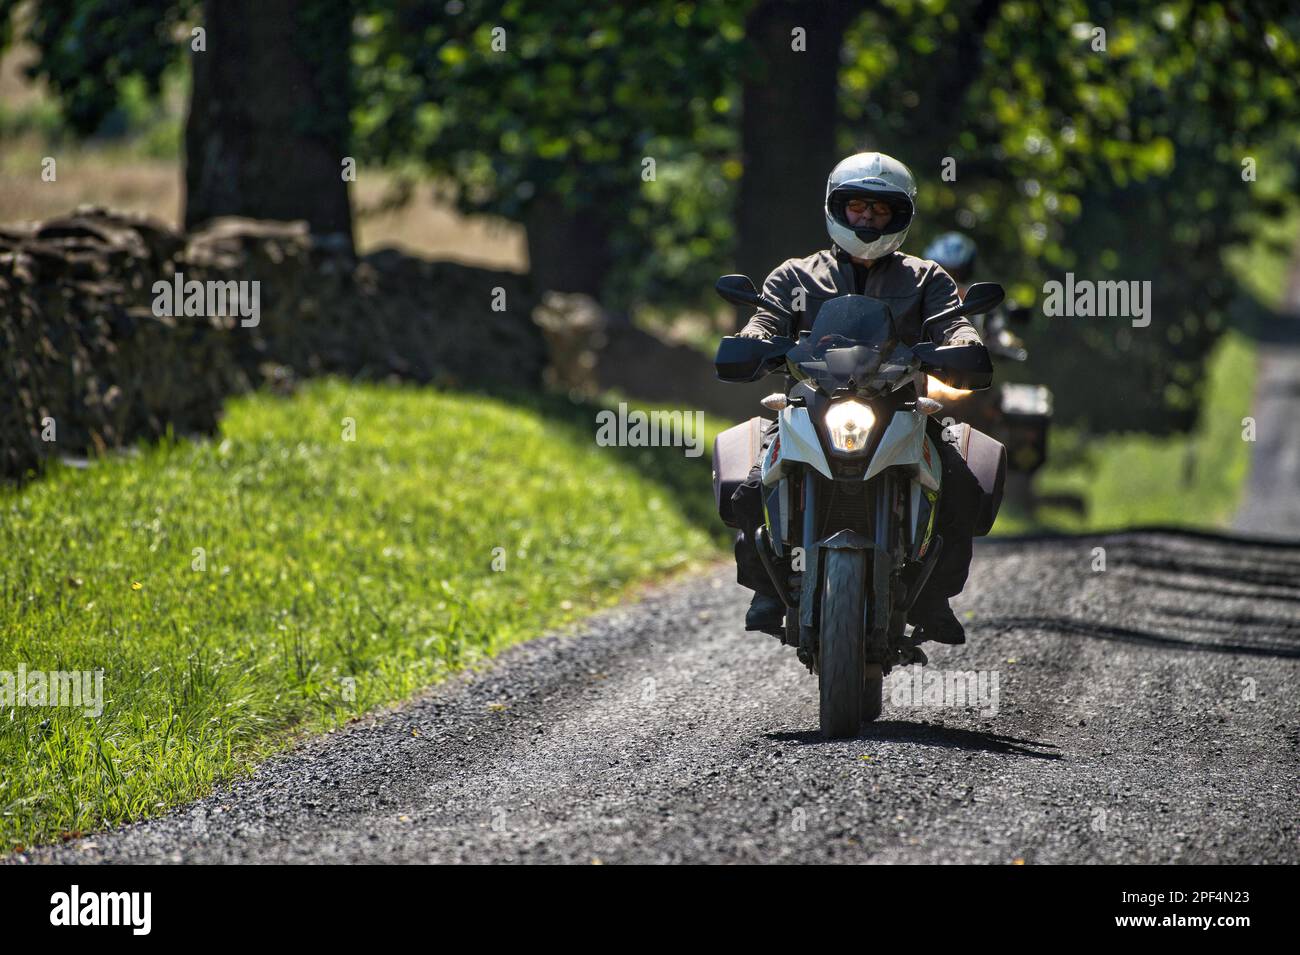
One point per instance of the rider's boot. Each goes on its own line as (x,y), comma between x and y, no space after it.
(935,621)
(766,614)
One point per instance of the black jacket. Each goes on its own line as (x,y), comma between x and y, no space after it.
(913,288)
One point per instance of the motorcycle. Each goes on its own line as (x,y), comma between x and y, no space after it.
(851,482)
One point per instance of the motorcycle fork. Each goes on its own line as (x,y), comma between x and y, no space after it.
(810,592)
(880,577)
(879,604)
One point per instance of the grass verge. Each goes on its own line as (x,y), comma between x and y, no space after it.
(280,579)
(1192,480)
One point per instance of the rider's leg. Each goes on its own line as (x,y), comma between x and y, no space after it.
(766,611)
(750,571)
(955,521)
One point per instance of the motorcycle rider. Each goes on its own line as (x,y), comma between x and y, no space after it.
(870,205)
(957,253)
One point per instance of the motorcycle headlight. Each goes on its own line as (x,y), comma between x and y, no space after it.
(849,422)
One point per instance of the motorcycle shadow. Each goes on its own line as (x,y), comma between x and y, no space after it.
(931,734)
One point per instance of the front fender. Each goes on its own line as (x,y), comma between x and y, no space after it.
(847,540)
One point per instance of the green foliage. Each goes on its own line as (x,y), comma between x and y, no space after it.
(1115,164)
(325,559)
(581,95)
(90,51)
(1122,164)
(678,234)
(1192,480)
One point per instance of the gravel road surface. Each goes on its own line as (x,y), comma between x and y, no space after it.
(1272,499)
(1144,713)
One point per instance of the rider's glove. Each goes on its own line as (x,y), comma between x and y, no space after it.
(964,336)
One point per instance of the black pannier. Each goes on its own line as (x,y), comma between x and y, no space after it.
(735,451)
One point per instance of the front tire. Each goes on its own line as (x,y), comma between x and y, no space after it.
(842,676)
(873,700)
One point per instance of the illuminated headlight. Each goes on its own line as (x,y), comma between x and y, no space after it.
(849,422)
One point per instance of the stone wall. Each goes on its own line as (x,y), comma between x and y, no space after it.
(86,359)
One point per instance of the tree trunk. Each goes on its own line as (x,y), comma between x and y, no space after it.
(788,124)
(937,119)
(268,125)
(567,251)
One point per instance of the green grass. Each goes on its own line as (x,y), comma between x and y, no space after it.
(326,561)
(1193,480)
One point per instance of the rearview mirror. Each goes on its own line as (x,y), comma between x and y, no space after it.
(982,297)
(739,290)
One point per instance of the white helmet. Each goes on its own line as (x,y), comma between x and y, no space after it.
(870,176)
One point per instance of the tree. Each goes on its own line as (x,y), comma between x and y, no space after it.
(789,125)
(1103,138)
(268,127)
(268,124)
(561,115)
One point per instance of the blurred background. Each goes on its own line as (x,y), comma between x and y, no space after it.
(633,153)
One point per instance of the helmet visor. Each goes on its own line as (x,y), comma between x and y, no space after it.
(900,208)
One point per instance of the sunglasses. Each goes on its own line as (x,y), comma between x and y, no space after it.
(876,207)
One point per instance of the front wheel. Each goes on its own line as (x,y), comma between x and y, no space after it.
(841,671)
(873,700)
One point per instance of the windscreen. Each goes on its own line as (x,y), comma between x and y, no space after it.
(852,336)
(855,318)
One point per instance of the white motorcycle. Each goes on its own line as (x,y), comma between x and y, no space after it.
(851,482)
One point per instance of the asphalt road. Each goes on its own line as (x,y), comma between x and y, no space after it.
(1144,713)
